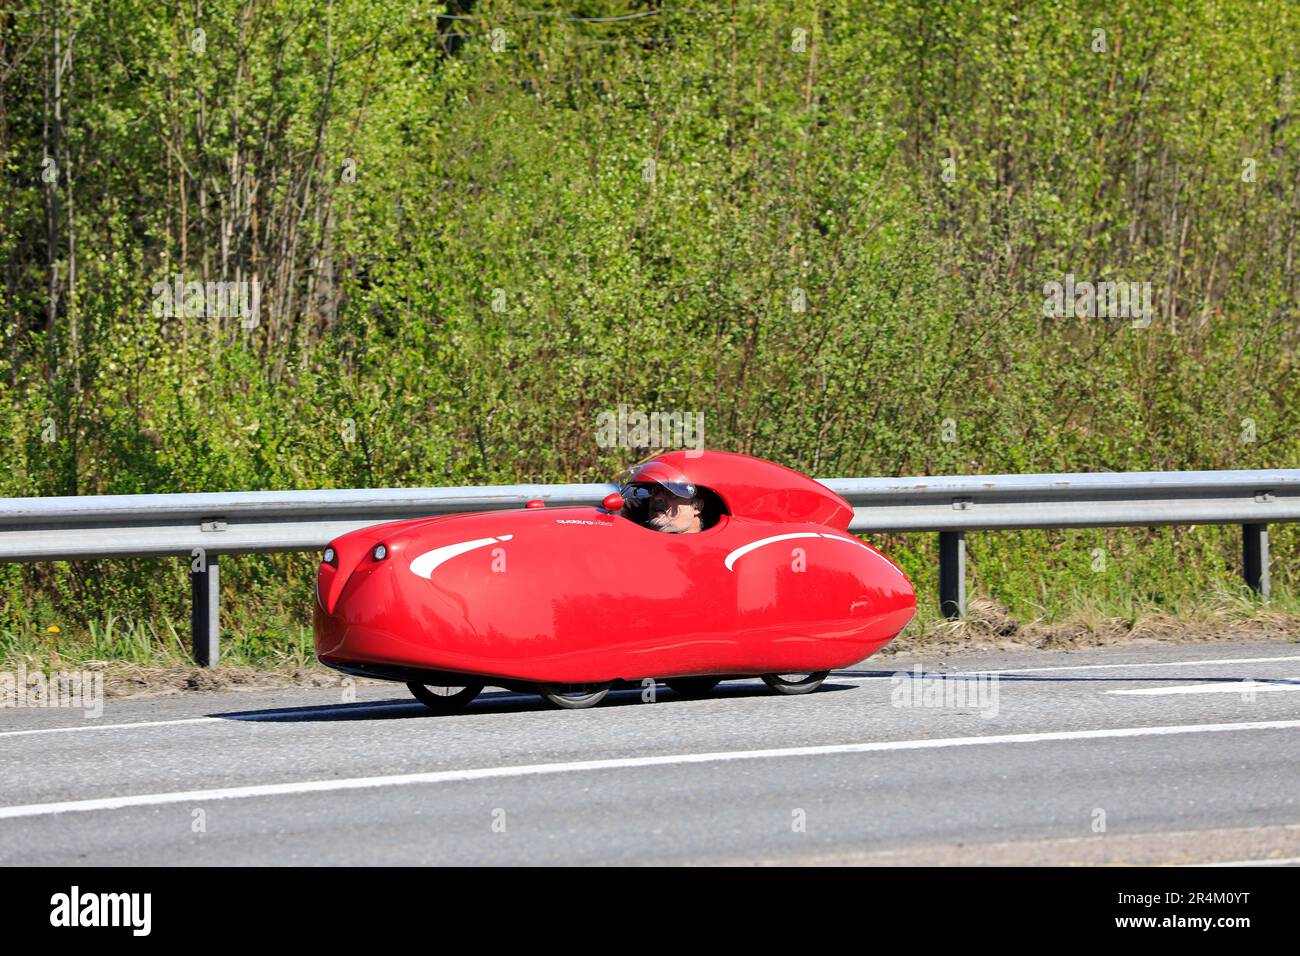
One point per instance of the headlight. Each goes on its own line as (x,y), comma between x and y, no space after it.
(380,552)
(330,556)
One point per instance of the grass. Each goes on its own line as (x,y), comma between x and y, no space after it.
(118,639)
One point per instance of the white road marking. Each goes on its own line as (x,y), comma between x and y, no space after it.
(139,723)
(910,671)
(1089,667)
(1287,861)
(260,716)
(267,716)
(834,677)
(532,770)
(1228,687)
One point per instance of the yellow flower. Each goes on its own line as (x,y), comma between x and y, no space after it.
(54,629)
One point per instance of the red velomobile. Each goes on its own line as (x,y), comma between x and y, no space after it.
(567,601)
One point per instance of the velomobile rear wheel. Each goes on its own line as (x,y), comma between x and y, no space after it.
(795,683)
(573,696)
(444,699)
(693,686)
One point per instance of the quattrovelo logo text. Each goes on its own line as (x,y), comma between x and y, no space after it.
(75,908)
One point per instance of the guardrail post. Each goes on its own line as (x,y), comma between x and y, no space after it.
(952,573)
(1254,553)
(205,597)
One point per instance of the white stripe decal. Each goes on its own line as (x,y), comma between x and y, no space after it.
(424,565)
(743,550)
(533,770)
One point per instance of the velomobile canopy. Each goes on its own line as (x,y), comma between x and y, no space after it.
(748,487)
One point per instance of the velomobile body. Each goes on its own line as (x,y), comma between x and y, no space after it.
(569,600)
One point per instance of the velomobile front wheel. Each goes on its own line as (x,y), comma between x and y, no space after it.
(795,683)
(444,699)
(573,696)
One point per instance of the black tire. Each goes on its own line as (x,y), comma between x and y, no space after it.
(795,683)
(693,686)
(573,696)
(445,699)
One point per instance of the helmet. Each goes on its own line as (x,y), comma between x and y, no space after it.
(640,482)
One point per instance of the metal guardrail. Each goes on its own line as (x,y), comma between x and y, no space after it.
(242,522)
(201,527)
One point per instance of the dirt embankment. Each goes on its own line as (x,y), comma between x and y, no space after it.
(121,681)
(990,626)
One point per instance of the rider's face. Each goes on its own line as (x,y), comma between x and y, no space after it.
(670,513)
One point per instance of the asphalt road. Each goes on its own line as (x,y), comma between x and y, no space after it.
(1158,753)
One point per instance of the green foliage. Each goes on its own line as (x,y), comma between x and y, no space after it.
(468,251)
